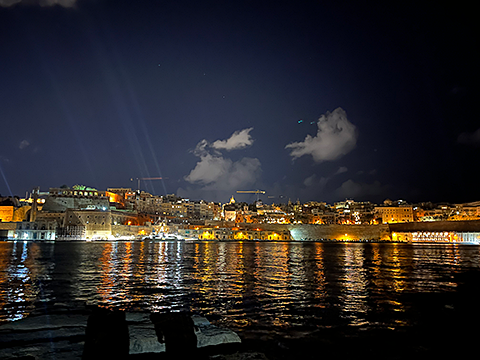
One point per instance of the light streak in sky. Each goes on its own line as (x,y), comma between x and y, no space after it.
(128,108)
(6,181)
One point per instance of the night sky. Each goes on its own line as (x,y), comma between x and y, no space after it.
(305,100)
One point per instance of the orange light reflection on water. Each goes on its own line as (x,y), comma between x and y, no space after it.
(354,281)
(107,284)
(318,275)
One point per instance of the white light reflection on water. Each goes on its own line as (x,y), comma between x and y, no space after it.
(23,277)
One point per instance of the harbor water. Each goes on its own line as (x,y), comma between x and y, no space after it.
(262,290)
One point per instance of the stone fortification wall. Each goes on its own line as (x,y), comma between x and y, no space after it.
(329,232)
(436,226)
(340,232)
(62,203)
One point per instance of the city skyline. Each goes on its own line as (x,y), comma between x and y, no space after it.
(308,101)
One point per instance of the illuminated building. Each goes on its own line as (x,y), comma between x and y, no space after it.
(242,234)
(395,214)
(437,231)
(61,199)
(97,224)
(26,230)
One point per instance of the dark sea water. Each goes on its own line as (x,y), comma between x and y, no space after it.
(260,289)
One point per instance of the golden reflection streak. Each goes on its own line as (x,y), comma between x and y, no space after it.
(107,279)
(398,270)
(233,271)
(127,260)
(297,272)
(355,283)
(126,272)
(233,283)
(274,275)
(376,265)
(319,292)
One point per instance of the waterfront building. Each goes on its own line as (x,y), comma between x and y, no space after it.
(395,214)
(121,198)
(464,212)
(78,197)
(27,230)
(437,231)
(97,223)
(438,237)
(148,203)
(232,209)
(242,234)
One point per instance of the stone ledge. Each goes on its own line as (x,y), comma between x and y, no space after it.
(62,336)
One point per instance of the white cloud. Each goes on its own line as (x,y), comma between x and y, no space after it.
(336,136)
(43,3)
(341,170)
(240,139)
(219,175)
(469,138)
(240,174)
(23,144)
(209,169)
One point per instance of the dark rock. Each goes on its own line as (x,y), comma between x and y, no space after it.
(177,330)
(106,336)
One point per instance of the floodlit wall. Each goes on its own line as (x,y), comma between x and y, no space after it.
(6,213)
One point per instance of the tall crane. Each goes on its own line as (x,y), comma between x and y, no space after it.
(146,178)
(258,192)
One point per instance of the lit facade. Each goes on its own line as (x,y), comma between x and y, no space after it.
(41,230)
(437,237)
(242,234)
(395,214)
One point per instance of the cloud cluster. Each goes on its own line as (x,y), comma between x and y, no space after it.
(217,172)
(214,172)
(43,3)
(240,139)
(336,136)
(218,175)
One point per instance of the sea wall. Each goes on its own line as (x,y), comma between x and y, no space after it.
(131,230)
(329,232)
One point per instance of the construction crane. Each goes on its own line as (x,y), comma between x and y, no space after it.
(146,178)
(258,192)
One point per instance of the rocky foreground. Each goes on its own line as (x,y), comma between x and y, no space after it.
(66,333)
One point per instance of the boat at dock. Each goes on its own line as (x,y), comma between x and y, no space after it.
(165,237)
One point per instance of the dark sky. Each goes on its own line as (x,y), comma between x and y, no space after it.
(304,100)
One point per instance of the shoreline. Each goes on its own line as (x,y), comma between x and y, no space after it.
(323,241)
